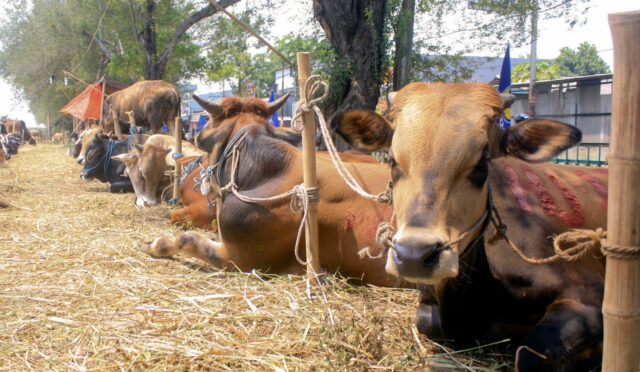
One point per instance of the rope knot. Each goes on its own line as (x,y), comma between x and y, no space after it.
(384,237)
(135,130)
(177,155)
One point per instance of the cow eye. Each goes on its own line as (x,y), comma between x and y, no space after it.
(395,170)
(479,174)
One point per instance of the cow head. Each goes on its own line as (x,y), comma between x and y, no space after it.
(145,166)
(440,144)
(81,145)
(94,152)
(228,116)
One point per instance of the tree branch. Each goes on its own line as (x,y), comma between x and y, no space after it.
(105,51)
(133,21)
(194,18)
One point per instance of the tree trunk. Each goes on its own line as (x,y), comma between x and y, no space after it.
(152,69)
(404,45)
(155,65)
(355,29)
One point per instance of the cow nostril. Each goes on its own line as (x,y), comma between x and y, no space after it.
(432,255)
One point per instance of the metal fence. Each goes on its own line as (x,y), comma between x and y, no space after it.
(589,154)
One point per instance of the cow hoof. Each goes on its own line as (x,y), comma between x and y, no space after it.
(428,321)
(160,247)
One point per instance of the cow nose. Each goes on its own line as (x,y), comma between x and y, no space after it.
(417,257)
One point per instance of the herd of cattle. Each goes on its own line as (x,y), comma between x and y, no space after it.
(453,172)
(13,134)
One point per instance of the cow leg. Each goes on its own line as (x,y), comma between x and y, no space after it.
(117,187)
(565,332)
(179,216)
(190,243)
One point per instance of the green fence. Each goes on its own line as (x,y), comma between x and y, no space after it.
(589,154)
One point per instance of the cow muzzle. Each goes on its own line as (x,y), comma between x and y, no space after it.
(425,259)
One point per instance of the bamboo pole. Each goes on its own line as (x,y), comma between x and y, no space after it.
(116,124)
(132,123)
(48,127)
(621,306)
(177,148)
(104,83)
(309,169)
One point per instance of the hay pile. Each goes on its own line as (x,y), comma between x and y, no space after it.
(76,293)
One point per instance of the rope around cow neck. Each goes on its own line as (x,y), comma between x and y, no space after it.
(579,243)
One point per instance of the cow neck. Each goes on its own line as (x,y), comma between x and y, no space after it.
(235,141)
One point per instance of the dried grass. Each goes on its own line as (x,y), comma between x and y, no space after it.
(76,293)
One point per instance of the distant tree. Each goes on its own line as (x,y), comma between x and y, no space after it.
(581,62)
(545,70)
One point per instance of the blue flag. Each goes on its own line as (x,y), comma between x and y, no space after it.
(505,87)
(201,123)
(274,120)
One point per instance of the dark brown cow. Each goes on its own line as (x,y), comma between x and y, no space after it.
(262,235)
(448,156)
(18,126)
(153,102)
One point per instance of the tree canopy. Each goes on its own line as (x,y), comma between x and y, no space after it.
(179,40)
(581,62)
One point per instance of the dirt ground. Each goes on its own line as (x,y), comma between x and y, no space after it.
(77,293)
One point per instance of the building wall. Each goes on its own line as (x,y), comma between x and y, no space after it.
(583,101)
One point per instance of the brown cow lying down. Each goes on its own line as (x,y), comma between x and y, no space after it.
(146,165)
(448,156)
(198,210)
(262,235)
(153,102)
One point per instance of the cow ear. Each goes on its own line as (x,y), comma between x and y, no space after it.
(537,140)
(208,138)
(365,130)
(126,158)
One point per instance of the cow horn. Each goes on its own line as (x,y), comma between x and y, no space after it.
(211,107)
(507,100)
(275,105)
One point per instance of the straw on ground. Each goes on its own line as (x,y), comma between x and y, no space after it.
(77,293)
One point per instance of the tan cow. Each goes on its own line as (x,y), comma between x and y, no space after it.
(454,170)
(262,235)
(153,102)
(146,165)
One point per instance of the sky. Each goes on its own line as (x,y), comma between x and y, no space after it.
(553,35)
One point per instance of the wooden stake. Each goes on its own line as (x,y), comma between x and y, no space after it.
(48,127)
(177,148)
(116,124)
(132,124)
(621,306)
(309,169)
(104,83)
